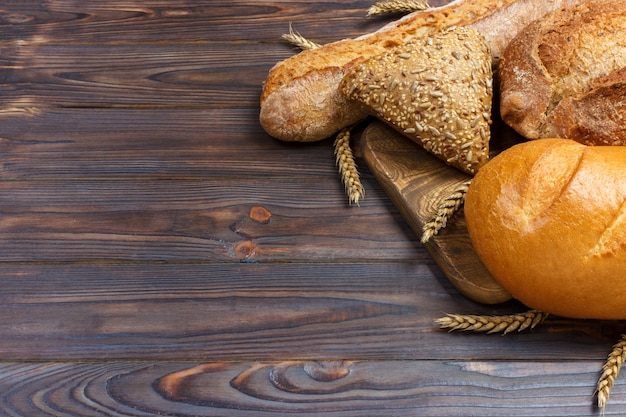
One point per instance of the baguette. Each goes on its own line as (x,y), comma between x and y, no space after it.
(548,219)
(565,75)
(300,100)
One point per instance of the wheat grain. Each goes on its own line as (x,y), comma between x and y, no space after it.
(347,167)
(448,207)
(610,371)
(492,324)
(396,6)
(298,40)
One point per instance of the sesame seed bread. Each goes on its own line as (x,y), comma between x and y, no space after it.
(300,102)
(548,219)
(565,75)
(437,91)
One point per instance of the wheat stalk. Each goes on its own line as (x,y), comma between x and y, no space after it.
(298,40)
(492,324)
(396,6)
(343,153)
(347,167)
(610,371)
(448,207)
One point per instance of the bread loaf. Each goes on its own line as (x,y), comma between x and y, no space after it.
(548,219)
(565,75)
(300,101)
(436,91)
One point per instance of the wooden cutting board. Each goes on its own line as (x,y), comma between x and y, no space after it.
(417,182)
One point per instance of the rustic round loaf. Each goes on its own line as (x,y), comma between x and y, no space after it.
(565,75)
(548,219)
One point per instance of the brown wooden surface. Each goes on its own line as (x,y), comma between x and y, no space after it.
(161,255)
(418,183)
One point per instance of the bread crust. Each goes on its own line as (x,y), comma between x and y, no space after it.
(435,91)
(564,75)
(548,220)
(497,20)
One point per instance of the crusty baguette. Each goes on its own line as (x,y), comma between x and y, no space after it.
(548,219)
(565,75)
(300,101)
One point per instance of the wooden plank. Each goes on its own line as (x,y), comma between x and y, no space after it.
(208,75)
(302,388)
(262,311)
(152,143)
(219,219)
(128,21)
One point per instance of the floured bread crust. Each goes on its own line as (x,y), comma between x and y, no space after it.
(565,75)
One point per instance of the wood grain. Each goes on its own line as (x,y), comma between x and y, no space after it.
(417,183)
(172,143)
(152,21)
(252,311)
(306,388)
(162,255)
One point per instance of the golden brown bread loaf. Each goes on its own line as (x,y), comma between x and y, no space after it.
(548,219)
(300,100)
(565,75)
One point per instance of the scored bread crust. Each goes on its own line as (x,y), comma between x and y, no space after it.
(548,219)
(318,111)
(565,76)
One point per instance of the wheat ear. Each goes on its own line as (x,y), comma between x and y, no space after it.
(298,40)
(396,6)
(343,153)
(610,371)
(448,207)
(492,324)
(347,167)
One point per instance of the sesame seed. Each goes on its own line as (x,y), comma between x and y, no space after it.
(433,130)
(450,135)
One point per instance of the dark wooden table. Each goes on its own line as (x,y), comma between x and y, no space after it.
(161,255)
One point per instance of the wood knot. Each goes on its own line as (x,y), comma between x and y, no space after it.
(260,214)
(290,376)
(245,250)
(327,371)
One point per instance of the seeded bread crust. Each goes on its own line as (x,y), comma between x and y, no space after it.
(318,111)
(437,91)
(565,75)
